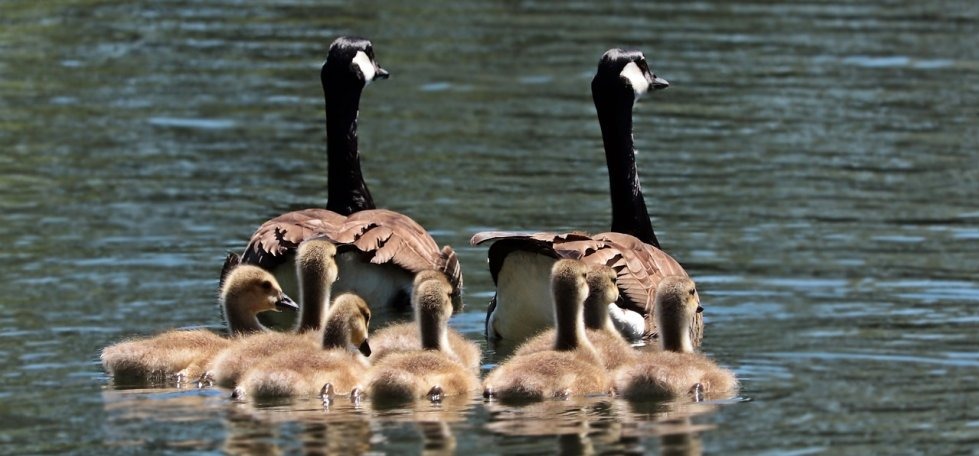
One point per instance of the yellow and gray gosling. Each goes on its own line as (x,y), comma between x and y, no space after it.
(338,367)
(572,367)
(316,270)
(676,371)
(612,348)
(432,371)
(406,337)
(246,292)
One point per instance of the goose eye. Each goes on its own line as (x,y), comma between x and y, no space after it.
(693,291)
(266,285)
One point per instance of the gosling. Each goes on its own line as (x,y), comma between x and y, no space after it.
(612,348)
(677,371)
(337,368)
(405,337)
(316,270)
(246,292)
(432,371)
(572,367)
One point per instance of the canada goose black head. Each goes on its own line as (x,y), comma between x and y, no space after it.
(351,58)
(625,73)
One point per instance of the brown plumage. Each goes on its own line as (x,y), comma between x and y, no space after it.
(612,348)
(246,291)
(572,367)
(298,371)
(433,370)
(677,370)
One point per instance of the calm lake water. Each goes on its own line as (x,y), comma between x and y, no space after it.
(813,166)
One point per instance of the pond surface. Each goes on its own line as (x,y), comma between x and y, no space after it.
(813,166)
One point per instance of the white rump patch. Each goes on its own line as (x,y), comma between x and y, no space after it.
(366,66)
(637,80)
(524,304)
(631,324)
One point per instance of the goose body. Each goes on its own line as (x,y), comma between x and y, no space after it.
(612,348)
(246,291)
(516,312)
(677,370)
(298,371)
(433,370)
(381,249)
(572,366)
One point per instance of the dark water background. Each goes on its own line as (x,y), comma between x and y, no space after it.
(813,166)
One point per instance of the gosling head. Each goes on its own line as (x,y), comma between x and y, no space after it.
(432,295)
(626,72)
(357,319)
(317,257)
(249,290)
(431,298)
(676,304)
(602,291)
(352,59)
(569,283)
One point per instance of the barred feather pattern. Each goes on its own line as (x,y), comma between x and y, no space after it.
(639,266)
(386,236)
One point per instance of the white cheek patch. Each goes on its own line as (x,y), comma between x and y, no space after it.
(637,80)
(366,66)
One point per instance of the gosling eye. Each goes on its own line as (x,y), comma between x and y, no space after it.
(266,285)
(693,291)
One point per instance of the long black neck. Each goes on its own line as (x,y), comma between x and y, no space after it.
(346,188)
(629,214)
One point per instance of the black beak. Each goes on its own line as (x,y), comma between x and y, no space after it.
(365,348)
(700,309)
(381,74)
(286,303)
(659,83)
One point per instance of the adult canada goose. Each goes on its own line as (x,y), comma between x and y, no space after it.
(298,371)
(432,371)
(520,262)
(379,251)
(677,370)
(406,336)
(246,292)
(317,271)
(572,367)
(612,348)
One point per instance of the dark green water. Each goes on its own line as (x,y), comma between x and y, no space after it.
(813,166)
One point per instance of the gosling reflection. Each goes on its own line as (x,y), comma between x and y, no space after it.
(296,429)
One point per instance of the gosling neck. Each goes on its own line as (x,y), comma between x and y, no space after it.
(675,336)
(314,297)
(596,315)
(569,317)
(240,320)
(614,107)
(336,332)
(432,330)
(347,191)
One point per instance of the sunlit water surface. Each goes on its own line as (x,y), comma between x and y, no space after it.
(813,166)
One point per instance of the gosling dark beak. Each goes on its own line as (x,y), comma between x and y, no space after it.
(659,83)
(365,348)
(700,309)
(381,74)
(286,303)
